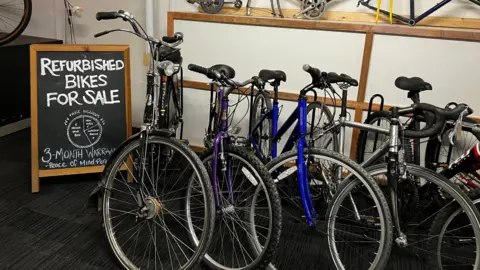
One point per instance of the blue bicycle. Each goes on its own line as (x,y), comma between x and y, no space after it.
(307,177)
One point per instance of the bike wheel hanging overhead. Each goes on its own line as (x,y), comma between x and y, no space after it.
(14,18)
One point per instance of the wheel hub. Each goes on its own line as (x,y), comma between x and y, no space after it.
(153,208)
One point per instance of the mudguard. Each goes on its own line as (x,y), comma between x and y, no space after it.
(96,194)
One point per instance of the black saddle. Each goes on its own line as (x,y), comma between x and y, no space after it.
(342,78)
(412,84)
(277,75)
(227,71)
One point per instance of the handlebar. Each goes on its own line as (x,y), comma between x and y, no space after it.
(314,72)
(215,75)
(172,42)
(439,114)
(107,15)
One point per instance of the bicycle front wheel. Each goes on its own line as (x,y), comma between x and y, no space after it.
(15,15)
(144,211)
(373,231)
(443,215)
(248,222)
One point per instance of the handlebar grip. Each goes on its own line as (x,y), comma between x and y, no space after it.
(101,34)
(314,72)
(199,69)
(176,37)
(108,15)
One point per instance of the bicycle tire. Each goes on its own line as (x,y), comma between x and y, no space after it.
(344,187)
(276,222)
(385,248)
(27,14)
(443,218)
(443,183)
(319,106)
(215,10)
(363,136)
(434,146)
(200,170)
(265,96)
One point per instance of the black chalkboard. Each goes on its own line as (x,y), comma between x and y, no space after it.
(82,108)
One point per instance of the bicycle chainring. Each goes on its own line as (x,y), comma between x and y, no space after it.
(317,8)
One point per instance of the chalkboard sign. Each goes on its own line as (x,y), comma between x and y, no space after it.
(80,100)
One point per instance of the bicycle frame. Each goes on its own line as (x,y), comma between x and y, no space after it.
(300,130)
(218,144)
(412,20)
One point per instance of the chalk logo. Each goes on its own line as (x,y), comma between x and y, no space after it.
(84,129)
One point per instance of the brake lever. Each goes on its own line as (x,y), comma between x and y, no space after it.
(457,130)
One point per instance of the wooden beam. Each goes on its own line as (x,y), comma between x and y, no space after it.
(362,89)
(282,95)
(416,31)
(362,17)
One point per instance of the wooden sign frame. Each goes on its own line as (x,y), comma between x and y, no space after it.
(34,48)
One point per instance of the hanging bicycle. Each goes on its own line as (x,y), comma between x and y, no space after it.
(412,19)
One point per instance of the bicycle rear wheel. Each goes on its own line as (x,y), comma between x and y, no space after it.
(15,15)
(144,210)
(263,135)
(368,141)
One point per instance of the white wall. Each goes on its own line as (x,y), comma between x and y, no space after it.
(461,8)
(48,20)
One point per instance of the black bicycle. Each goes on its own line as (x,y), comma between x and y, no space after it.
(145,181)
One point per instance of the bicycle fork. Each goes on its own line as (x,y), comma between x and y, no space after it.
(393,175)
(302,172)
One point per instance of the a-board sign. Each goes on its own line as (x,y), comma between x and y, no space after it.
(80,107)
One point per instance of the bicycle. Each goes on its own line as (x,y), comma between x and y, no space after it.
(9,34)
(264,133)
(412,20)
(436,156)
(256,189)
(139,181)
(409,186)
(307,176)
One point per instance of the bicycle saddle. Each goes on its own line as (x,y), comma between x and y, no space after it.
(228,71)
(342,78)
(276,75)
(412,84)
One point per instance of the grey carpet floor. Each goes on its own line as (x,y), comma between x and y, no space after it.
(52,230)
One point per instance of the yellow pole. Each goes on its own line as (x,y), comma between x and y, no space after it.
(378,10)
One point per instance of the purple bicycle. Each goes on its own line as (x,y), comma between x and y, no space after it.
(248,211)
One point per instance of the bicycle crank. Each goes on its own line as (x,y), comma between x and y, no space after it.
(312,9)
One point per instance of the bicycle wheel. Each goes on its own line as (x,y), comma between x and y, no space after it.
(319,116)
(211,6)
(369,141)
(263,135)
(439,152)
(248,222)
(144,223)
(314,242)
(438,198)
(459,237)
(15,15)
